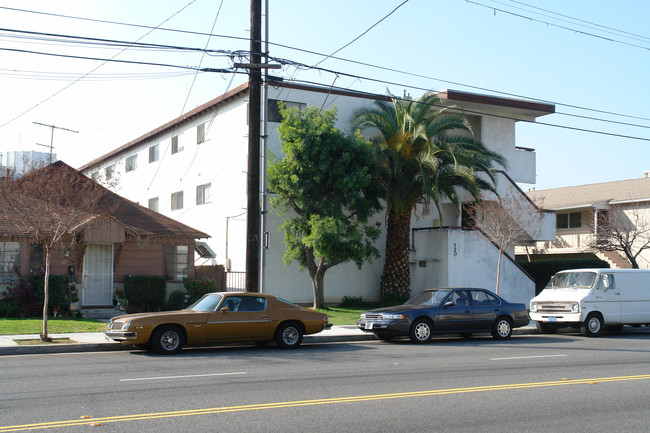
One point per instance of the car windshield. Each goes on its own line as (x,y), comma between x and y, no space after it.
(208,302)
(572,280)
(429,297)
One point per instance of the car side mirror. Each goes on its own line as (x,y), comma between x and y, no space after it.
(224,310)
(448,304)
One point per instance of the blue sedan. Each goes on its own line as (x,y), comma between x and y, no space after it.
(446,311)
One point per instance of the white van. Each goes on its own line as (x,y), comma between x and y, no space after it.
(592,299)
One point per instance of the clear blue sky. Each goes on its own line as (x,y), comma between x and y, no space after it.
(591,54)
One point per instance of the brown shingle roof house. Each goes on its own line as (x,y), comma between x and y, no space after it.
(104,237)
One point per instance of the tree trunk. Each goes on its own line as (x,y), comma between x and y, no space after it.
(396,276)
(499,270)
(46,295)
(317,281)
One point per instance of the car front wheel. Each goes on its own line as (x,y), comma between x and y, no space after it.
(502,328)
(167,340)
(421,331)
(289,335)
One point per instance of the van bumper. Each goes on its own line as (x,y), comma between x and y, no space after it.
(557,318)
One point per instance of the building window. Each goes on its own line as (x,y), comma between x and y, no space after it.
(177,200)
(131,163)
(9,260)
(203,194)
(200,133)
(572,220)
(274,110)
(176,146)
(153,153)
(176,262)
(95,176)
(153,204)
(109,171)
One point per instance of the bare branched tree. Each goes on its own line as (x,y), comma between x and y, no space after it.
(505,221)
(626,230)
(47,204)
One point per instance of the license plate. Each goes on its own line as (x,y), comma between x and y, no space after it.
(369,325)
(552,319)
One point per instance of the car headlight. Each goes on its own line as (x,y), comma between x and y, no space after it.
(126,325)
(575,308)
(533,307)
(392,316)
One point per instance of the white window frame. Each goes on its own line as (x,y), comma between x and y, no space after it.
(203,195)
(131,163)
(154,204)
(177,146)
(9,259)
(153,153)
(176,261)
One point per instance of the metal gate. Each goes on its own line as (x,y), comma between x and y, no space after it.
(98,275)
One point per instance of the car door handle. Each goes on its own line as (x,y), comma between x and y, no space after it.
(468,311)
(265,316)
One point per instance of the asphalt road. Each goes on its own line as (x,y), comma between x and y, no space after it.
(534,383)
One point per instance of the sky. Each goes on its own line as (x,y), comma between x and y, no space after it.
(591,58)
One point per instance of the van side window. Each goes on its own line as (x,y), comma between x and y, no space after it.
(606,282)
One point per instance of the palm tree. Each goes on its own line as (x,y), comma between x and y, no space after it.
(425,152)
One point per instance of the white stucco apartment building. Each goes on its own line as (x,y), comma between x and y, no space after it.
(193,169)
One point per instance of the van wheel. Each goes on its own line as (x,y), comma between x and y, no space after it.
(592,326)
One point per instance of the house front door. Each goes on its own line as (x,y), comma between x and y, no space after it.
(98,275)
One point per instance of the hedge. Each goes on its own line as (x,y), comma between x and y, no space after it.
(145,293)
(543,270)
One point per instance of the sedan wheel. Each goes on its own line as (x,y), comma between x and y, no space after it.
(289,335)
(167,340)
(421,331)
(502,328)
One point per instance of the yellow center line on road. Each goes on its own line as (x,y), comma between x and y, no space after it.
(336,400)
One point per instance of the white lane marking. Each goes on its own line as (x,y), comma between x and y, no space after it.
(526,357)
(182,377)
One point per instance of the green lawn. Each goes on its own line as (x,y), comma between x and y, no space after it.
(343,316)
(54,326)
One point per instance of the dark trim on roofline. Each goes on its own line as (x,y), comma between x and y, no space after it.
(493,100)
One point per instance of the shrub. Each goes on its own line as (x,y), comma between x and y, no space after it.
(543,270)
(393,298)
(57,291)
(19,300)
(176,300)
(198,287)
(353,302)
(145,293)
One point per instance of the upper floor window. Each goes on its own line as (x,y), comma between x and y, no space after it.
(274,111)
(95,176)
(200,133)
(131,163)
(571,220)
(203,194)
(154,204)
(109,171)
(176,145)
(153,153)
(9,260)
(177,200)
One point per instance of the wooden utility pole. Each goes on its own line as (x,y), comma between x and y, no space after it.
(253,178)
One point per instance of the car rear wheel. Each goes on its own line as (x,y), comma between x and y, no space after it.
(421,331)
(592,326)
(167,340)
(502,328)
(289,335)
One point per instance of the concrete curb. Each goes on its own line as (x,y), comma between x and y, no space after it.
(340,334)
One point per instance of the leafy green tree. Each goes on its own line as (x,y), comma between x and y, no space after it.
(425,152)
(325,187)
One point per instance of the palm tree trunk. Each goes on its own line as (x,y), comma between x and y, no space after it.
(396,276)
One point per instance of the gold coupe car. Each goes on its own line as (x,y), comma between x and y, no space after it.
(218,318)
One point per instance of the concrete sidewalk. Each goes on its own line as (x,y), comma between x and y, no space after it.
(95,341)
